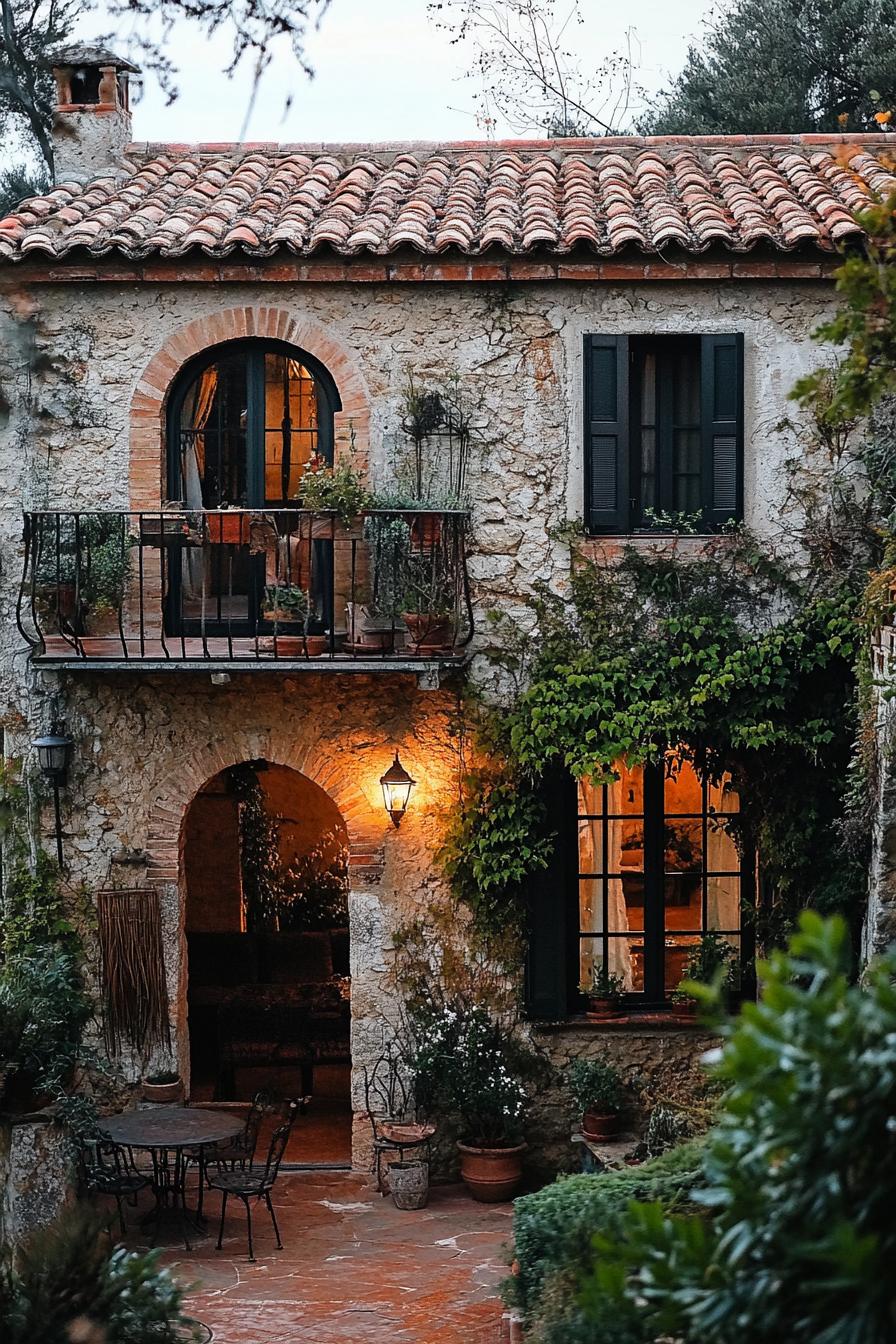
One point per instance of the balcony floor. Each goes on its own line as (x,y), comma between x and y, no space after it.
(220,654)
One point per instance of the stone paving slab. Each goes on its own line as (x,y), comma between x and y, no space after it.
(353,1268)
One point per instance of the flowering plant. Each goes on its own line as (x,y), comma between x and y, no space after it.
(324,488)
(470,1062)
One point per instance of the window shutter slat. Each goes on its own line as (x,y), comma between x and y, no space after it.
(722,428)
(551,898)
(606,433)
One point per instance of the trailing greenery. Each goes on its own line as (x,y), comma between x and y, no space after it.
(553,1231)
(44,1003)
(68,1283)
(796,1238)
(742,663)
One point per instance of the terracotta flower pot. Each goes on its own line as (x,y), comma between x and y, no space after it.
(685,1008)
(230,528)
(427,631)
(316,645)
(163,1094)
(426,530)
(600,1124)
(491,1175)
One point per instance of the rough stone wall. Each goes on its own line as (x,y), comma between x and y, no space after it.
(880,918)
(656,1063)
(35,1176)
(71,364)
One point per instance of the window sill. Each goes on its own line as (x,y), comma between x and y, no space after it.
(646,1020)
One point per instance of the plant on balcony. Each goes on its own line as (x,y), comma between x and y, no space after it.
(104,562)
(429,602)
(285,604)
(373,622)
(337,489)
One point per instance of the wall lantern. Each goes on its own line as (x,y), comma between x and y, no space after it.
(53,750)
(397,785)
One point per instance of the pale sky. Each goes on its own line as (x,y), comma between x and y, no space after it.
(382,72)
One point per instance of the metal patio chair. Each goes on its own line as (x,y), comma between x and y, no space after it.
(107,1169)
(392,1112)
(256,1180)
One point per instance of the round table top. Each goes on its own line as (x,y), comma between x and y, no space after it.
(171,1127)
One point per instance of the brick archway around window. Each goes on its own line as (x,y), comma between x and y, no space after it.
(147,416)
(166,823)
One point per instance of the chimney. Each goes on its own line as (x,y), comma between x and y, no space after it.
(92,119)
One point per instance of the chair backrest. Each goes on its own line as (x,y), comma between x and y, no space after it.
(386,1095)
(98,1157)
(279,1140)
(261,1104)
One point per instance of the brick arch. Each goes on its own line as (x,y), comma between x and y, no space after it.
(166,822)
(147,415)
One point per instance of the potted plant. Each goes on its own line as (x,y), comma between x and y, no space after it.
(163,1088)
(103,563)
(596,1089)
(603,993)
(470,1061)
(429,603)
(285,606)
(711,958)
(335,490)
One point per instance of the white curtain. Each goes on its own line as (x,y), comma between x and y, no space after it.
(619,960)
(723,893)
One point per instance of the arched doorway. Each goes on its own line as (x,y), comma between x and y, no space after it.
(266,917)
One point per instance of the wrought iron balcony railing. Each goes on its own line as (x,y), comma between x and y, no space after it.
(246,586)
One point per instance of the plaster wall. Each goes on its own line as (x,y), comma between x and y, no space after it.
(71,361)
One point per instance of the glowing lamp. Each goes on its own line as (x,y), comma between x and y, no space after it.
(396,784)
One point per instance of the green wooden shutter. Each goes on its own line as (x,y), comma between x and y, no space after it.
(551,899)
(722,427)
(606,433)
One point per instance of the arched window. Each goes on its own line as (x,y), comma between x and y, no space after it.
(245,418)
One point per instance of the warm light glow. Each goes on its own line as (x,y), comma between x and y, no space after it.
(396,784)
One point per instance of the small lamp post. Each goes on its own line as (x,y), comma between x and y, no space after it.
(396,784)
(53,750)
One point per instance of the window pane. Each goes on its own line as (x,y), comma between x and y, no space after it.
(685,358)
(591,905)
(624,958)
(290,418)
(678,949)
(722,902)
(213,436)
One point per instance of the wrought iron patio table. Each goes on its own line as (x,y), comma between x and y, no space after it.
(166,1133)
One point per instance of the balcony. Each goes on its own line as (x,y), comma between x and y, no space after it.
(247,588)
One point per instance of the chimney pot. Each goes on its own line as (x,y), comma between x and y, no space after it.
(92,121)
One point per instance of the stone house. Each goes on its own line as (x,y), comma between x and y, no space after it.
(186,327)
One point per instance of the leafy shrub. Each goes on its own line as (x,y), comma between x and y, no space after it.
(799,1171)
(469,1060)
(43,1012)
(594,1085)
(67,1284)
(553,1229)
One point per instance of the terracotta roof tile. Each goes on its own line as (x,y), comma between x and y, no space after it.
(736,192)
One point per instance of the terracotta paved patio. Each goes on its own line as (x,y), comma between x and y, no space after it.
(353,1268)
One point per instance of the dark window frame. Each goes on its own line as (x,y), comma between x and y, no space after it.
(328,403)
(655,817)
(612,438)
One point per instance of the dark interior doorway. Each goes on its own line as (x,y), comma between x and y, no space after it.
(266,873)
